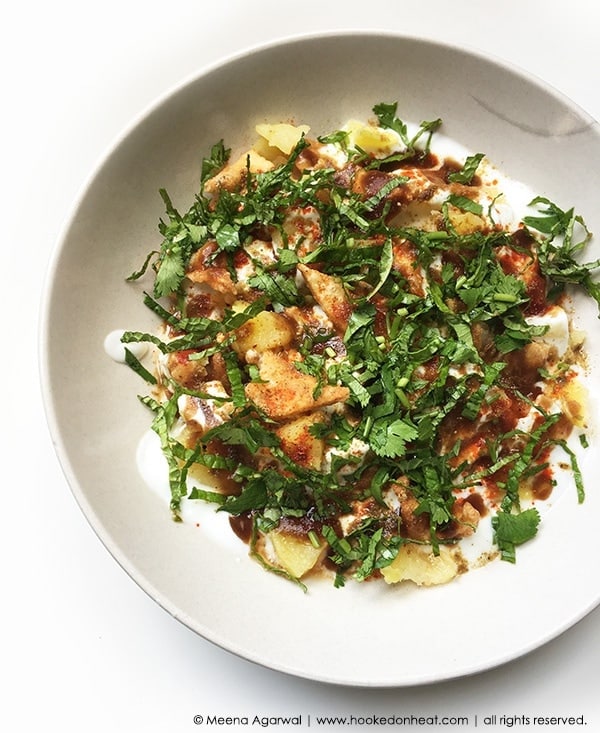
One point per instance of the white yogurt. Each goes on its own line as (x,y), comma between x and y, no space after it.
(115,348)
(154,470)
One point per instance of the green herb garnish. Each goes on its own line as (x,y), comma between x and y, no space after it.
(422,332)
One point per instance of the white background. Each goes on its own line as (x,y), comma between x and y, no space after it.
(83,648)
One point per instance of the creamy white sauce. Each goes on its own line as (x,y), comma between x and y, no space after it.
(115,348)
(557,322)
(154,470)
(206,413)
(476,548)
(355,454)
(509,199)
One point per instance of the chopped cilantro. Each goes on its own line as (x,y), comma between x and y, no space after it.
(388,438)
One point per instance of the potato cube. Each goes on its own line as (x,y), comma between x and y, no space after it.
(266,331)
(419,564)
(282,136)
(574,402)
(465,222)
(298,442)
(295,553)
(372,139)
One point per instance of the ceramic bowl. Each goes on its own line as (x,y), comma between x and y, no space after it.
(365,634)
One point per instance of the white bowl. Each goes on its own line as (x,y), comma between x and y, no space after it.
(365,634)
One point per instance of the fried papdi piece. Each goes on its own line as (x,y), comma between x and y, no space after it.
(285,392)
(329,293)
(233,175)
(300,444)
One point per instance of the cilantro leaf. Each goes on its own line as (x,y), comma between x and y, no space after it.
(174,251)
(171,269)
(227,238)
(386,116)
(388,438)
(514,529)
(219,155)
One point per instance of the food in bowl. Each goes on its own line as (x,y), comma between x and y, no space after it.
(366,357)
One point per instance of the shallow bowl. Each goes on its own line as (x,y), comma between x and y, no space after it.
(365,634)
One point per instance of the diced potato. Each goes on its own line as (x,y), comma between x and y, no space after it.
(372,139)
(285,392)
(298,442)
(239,306)
(282,136)
(295,553)
(267,330)
(576,339)
(233,174)
(329,293)
(187,372)
(574,402)
(419,564)
(465,222)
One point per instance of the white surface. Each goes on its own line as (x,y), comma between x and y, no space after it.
(83,648)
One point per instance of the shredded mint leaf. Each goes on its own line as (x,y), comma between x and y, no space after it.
(566,235)
(278,288)
(465,204)
(361,317)
(234,375)
(385,265)
(339,136)
(142,271)
(253,497)
(468,171)
(246,431)
(209,496)
(134,363)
